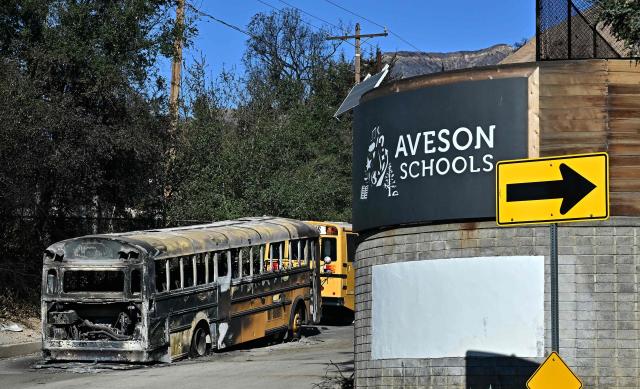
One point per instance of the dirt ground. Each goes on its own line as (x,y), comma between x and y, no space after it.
(30,331)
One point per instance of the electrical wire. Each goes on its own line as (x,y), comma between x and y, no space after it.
(316,17)
(375,23)
(227,24)
(303,21)
(355,14)
(307,13)
(201,13)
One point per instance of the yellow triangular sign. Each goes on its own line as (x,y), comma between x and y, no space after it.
(554,374)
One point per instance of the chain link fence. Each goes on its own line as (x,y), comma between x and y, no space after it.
(570,29)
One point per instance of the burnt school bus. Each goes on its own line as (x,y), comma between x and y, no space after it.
(337,274)
(164,294)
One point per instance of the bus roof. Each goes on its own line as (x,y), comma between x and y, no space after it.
(171,242)
(344,225)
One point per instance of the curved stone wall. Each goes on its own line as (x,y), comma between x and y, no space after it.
(599,312)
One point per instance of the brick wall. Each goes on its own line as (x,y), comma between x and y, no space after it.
(599,314)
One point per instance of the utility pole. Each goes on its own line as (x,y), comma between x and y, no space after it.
(357,37)
(357,58)
(176,66)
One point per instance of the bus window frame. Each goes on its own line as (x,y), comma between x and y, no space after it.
(176,264)
(132,281)
(160,263)
(205,258)
(234,255)
(199,260)
(296,246)
(187,262)
(280,246)
(245,263)
(212,265)
(260,254)
(289,256)
(181,273)
(226,255)
(167,268)
(215,266)
(333,251)
(195,270)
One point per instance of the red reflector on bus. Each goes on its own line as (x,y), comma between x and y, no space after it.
(331,230)
(344,288)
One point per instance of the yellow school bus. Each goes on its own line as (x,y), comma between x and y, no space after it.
(337,275)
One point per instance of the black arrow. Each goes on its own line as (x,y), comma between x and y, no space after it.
(571,189)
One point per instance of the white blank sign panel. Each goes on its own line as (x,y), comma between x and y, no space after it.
(455,307)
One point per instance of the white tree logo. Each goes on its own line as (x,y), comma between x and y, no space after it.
(378,172)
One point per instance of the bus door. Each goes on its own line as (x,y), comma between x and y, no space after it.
(316,285)
(224,333)
(352,241)
(332,271)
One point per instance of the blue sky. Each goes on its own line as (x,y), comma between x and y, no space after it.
(430,25)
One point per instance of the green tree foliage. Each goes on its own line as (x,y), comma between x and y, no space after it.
(623,16)
(84,140)
(83,128)
(274,148)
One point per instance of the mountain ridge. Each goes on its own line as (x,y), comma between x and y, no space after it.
(411,63)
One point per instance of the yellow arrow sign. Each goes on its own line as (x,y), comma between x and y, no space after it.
(553,189)
(554,374)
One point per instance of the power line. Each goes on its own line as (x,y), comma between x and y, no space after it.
(354,14)
(307,13)
(201,13)
(303,21)
(316,17)
(371,21)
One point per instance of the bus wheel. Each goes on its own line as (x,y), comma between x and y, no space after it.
(295,330)
(198,343)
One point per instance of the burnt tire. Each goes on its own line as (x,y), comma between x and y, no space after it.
(199,346)
(297,320)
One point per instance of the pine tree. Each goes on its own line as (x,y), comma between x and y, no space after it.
(623,17)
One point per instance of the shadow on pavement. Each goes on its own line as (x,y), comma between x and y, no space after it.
(337,316)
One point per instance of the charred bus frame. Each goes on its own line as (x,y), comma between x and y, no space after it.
(164,294)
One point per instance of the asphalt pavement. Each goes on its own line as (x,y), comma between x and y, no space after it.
(318,360)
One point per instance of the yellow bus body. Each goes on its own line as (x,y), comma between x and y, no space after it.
(337,277)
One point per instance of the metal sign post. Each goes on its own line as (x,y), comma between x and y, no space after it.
(555,311)
(549,190)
